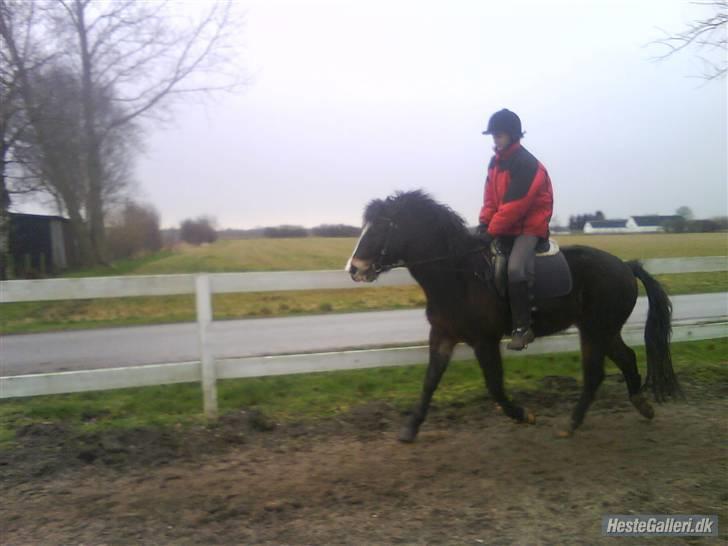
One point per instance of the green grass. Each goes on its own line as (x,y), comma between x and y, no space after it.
(307,254)
(692,283)
(297,397)
(303,254)
(122,267)
(654,245)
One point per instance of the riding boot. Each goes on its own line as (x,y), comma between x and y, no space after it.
(520,299)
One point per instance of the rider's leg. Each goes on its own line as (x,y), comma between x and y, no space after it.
(521,276)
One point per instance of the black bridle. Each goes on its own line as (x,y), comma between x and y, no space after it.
(378,264)
(380,267)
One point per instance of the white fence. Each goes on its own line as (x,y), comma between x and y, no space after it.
(207,370)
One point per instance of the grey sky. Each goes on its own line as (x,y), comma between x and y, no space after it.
(350,101)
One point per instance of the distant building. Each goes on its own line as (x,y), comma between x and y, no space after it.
(650,224)
(606,226)
(634,224)
(39,244)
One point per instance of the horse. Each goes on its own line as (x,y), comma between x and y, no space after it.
(412,230)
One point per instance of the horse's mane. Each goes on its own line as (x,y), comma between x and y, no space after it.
(419,207)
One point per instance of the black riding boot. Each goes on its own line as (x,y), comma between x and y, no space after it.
(520,298)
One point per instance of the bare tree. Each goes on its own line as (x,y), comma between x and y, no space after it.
(53,154)
(40,118)
(139,56)
(42,151)
(708,35)
(81,74)
(12,123)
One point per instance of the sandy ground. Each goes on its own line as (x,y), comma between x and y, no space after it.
(472,477)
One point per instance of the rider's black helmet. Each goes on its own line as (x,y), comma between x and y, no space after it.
(505,121)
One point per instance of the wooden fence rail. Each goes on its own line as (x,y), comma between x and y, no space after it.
(207,370)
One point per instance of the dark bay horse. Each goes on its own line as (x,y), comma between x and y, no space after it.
(412,230)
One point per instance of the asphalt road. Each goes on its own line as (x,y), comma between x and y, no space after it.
(106,348)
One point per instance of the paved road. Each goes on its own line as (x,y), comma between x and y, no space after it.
(88,349)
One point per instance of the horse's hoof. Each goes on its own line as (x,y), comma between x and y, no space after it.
(640,402)
(528,418)
(564,429)
(407,435)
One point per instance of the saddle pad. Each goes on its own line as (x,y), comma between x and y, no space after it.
(553,276)
(551,250)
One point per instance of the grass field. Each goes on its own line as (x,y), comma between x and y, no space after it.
(330,253)
(297,397)
(309,254)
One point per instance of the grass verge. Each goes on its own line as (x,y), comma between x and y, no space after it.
(300,397)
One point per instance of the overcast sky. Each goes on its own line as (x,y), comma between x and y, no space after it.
(349,101)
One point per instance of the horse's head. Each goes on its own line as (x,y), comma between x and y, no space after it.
(381,244)
(406,229)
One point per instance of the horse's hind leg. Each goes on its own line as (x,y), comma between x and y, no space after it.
(441,349)
(625,359)
(489,358)
(592,364)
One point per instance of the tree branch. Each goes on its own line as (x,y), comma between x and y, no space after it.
(709,32)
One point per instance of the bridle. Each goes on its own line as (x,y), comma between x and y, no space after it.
(380,267)
(378,264)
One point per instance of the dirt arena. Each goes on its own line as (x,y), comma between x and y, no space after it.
(472,477)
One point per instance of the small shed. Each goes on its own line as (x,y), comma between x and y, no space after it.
(38,243)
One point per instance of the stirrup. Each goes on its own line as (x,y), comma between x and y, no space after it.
(520,338)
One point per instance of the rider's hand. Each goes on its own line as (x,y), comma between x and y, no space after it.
(482,232)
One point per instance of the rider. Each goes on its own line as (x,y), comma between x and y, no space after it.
(517,208)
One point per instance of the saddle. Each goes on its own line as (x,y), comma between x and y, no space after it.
(553,276)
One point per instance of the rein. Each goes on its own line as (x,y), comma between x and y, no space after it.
(382,268)
(379,267)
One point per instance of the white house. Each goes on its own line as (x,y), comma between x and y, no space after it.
(606,226)
(634,224)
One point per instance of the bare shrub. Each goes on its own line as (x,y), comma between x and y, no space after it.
(198,231)
(134,230)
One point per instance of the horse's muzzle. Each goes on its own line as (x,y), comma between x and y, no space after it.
(361,271)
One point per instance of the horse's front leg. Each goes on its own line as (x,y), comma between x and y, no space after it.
(441,348)
(489,357)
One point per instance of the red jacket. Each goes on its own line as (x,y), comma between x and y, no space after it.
(518,195)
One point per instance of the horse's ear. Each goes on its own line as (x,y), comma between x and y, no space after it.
(374,209)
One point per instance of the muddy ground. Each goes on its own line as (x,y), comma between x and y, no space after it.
(472,477)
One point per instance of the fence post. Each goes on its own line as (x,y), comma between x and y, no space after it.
(207,360)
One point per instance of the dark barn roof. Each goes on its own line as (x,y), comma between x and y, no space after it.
(37,217)
(653,220)
(608,223)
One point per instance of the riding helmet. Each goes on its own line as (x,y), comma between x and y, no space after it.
(505,121)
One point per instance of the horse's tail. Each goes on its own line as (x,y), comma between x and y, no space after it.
(660,375)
